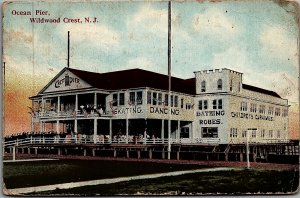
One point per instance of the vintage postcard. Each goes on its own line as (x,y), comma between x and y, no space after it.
(104,98)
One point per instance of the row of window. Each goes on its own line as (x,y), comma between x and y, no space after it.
(135,98)
(254,134)
(216,104)
(219,85)
(158,98)
(263,110)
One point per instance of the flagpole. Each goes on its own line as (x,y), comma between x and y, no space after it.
(68,49)
(169,75)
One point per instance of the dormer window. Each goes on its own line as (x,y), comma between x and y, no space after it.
(219,84)
(203,86)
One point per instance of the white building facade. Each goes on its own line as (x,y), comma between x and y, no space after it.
(212,107)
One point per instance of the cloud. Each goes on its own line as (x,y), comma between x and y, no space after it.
(278,43)
(214,22)
(144,63)
(236,58)
(233,58)
(98,35)
(148,22)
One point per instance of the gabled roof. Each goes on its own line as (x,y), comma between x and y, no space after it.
(260,90)
(135,78)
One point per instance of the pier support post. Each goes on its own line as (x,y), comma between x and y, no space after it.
(226,157)
(59,151)
(138,154)
(14,153)
(163,156)
(127,153)
(93,152)
(241,156)
(115,153)
(35,151)
(178,155)
(28,150)
(150,153)
(22,150)
(84,152)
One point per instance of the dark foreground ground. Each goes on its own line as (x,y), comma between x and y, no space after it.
(262,178)
(223,182)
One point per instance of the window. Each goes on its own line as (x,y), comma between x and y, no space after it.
(175,101)
(233,132)
(220,104)
(166,99)
(285,113)
(278,134)
(230,86)
(217,103)
(262,109)
(209,132)
(131,98)
(159,98)
(253,108)
(181,104)
(262,133)
(172,100)
(219,84)
(67,80)
(277,111)
(115,99)
(244,133)
(271,111)
(149,97)
(139,97)
(154,99)
(214,104)
(203,86)
(205,104)
(253,134)
(243,106)
(271,134)
(200,105)
(121,99)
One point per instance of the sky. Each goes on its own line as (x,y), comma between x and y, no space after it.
(257,38)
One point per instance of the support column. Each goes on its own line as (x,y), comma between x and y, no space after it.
(35,151)
(14,153)
(84,152)
(145,132)
(178,131)
(127,123)
(169,137)
(95,130)
(115,153)
(163,154)
(150,153)
(127,153)
(57,126)
(191,134)
(76,102)
(178,155)
(28,150)
(93,152)
(110,130)
(95,99)
(75,125)
(41,126)
(138,154)
(58,105)
(241,155)
(162,136)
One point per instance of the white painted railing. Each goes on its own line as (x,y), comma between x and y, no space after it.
(91,139)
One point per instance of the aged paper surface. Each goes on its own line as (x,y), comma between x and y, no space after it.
(150,97)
